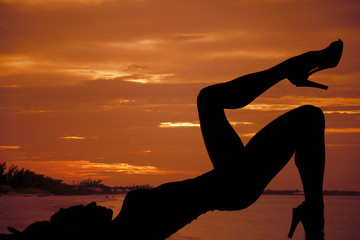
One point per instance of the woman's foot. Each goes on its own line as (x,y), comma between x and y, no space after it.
(312,219)
(299,68)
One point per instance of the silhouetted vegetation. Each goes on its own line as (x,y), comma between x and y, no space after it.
(21,180)
(26,181)
(282,192)
(341,193)
(298,192)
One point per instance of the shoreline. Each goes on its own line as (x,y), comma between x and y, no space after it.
(41,193)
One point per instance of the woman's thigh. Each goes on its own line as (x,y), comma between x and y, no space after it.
(273,146)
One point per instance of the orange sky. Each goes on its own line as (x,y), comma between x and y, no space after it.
(107,89)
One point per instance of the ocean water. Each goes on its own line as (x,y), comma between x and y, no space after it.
(269,218)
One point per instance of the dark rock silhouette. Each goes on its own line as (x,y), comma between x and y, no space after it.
(240,172)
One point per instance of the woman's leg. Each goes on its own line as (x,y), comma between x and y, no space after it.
(301,131)
(226,149)
(253,166)
(222,143)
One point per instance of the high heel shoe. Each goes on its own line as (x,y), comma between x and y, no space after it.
(294,222)
(303,66)
(312,221)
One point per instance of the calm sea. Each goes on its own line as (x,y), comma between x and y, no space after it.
(269,218)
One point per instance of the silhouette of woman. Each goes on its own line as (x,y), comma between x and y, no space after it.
(240,172)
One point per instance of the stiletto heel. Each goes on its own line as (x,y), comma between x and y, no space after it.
(312,84)
(312,220)
(294,222)
(303,66)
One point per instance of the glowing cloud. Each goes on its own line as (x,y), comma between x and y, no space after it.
(342,145)
(268,104)
(41,111)
(70,170)
(270,107)
(328,102)
(145,44)
(178,124)
(342,130)
(9,147)
(121,168)
(94,73)
(193,124)
(117,103)
(343,111)
(10,64)
(72,138)
(17,61)
(248,135)
(241,123)
(149,78)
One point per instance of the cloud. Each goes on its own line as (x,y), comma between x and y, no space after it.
(9,86)
(328,102)
(194,124)
(94,73)
(85,63)
(241,123)
(143,45)
(178,124)
(55,3)
(342,130)
(342,111)
(9,147)
(257,54)
(140,36)
(148,78)
(342,145)
(117,103)
(250,135)
(270,107)
(272,104)
(83,168)
(122,168)
(14,63)
(72,138)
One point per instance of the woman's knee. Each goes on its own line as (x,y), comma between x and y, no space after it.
(312,116)
(205,96)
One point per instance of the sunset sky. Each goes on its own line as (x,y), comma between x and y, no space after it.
(106,89)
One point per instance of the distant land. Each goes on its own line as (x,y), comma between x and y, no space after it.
(19,180)
(298,192)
